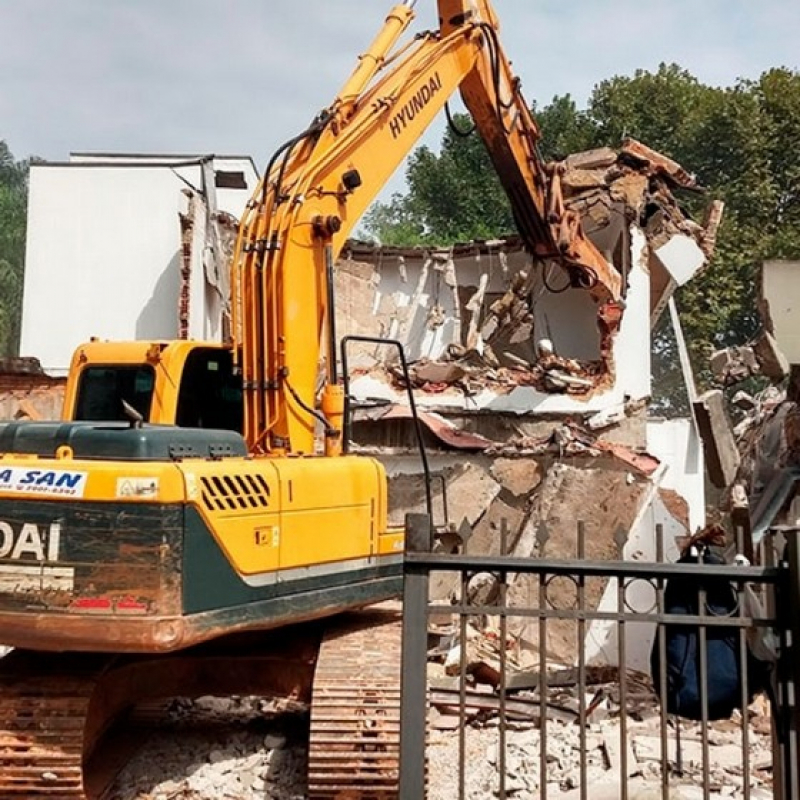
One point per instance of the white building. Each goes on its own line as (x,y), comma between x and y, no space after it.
(128,247)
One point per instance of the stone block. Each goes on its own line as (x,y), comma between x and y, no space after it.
(520,476)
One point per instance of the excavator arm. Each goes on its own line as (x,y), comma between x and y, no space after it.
(319,184)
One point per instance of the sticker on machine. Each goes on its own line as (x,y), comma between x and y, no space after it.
(16,579)
(62,482)
(137,487)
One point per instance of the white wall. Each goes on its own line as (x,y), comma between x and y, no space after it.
(677,445)
(103,252)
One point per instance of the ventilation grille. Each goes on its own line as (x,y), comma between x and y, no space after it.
(235,492)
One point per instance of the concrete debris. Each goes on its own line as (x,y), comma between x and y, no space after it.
(643,181)
(247,748)
(772,363)
(743,401)
(733,364)
(762,356)
(473,372)
(213,748)
(722,455)
(486,308)
(763,449)
(529,706)
(519,476)
(658,164)
(571,440)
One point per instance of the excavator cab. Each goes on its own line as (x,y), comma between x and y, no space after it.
(189,384)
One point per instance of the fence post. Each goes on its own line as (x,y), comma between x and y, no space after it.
(413,685)
(788,715)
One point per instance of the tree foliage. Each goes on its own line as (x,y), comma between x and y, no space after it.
(13,207)
(743,142)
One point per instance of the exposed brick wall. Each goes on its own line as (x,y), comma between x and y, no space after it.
(26,395)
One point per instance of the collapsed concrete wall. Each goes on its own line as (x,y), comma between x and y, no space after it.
(534,395)
(491,328)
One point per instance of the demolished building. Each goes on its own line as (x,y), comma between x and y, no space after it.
(533,381)
(534,390)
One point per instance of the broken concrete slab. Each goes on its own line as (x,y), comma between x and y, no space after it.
(722,455)
(682,257)
(733,364)
(439,372)
(599,158)
(772,363)
(471,490)
(658,163)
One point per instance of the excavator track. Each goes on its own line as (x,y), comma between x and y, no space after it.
(354,747)
(56,708)
(45,724)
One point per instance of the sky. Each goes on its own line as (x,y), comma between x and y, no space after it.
(242,76)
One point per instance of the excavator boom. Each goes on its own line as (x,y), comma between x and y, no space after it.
(320,184)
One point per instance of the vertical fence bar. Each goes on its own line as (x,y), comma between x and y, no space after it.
(501,729)
(462,686)
(790,746)
(622,661)
(542,687)
(745,695)
(702,639)
(661,633)
(743,661)
(774,600)
(582,659)
(413,685)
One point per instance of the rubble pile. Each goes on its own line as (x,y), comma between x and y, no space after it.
(471,372)
(241,748)
(527,730)
(765,432)
(603,765)
(643,181)
(253,749)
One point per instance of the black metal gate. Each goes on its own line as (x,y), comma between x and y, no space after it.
(573,718)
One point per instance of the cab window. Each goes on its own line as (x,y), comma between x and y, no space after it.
(102,390)
(211,394)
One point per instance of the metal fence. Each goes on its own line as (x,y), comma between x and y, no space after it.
(546,677)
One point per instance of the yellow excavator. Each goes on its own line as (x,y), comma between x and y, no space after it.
(194,523)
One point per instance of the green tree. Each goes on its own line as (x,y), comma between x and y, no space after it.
(565,129)
(13,207)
